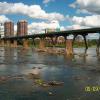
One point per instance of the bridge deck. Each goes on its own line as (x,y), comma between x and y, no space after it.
(60,33)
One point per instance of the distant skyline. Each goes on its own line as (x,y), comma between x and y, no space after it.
(41,14)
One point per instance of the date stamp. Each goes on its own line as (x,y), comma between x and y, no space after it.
(92,89)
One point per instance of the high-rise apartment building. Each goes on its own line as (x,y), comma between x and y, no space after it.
(8,29)
(22,28)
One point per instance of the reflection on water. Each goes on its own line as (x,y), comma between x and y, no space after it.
(76,73)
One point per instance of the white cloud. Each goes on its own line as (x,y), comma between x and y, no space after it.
(93,36)
(33,11)
(3,18)
(83,23)
(88,21)
(76,26)
(73,5)
(92,6)
(40,27)
(47,1)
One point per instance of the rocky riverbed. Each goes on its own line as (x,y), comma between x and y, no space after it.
(31,75)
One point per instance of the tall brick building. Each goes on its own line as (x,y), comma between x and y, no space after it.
(8,29)
(22,28)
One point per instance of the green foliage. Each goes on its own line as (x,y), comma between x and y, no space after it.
(77,44)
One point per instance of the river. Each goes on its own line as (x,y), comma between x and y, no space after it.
(77,73)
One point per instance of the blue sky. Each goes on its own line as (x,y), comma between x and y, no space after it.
(41,14)
(54,6)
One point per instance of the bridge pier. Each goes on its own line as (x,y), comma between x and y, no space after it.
(8,43)
(14,44)
(2,43)
(69,47)
(11,43)
(86,45)
(33,40)
(25,43)
(98,45)
(42,44)
(52,42)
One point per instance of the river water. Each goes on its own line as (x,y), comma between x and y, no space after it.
(77,73)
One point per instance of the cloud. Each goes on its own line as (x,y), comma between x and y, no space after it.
(77,26)
(93,36)
(88,21)
(91,6)
(3,18)
(83,23)
(41,26)
(47,1)
(33,11)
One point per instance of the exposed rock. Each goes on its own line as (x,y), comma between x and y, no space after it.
(34,67)
(82,55)
(18,77)
(95,70)
(37,67)
(3,78)
(55,83)
(50,93)
(48,84)
(81,78)
(33,76)
(77,78)
(45,85)
(41,50)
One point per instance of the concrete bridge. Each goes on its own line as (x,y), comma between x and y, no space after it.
(69,43)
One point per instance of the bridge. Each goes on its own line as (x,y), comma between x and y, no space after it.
(51,35)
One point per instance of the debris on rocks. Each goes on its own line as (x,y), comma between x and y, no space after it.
(55,83)
(37,67)
(48,84)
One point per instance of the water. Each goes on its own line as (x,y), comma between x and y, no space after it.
(74,72)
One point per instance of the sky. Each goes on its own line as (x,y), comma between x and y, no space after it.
(42,14)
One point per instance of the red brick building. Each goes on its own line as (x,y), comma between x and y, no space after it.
(22,28)
(8,29)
